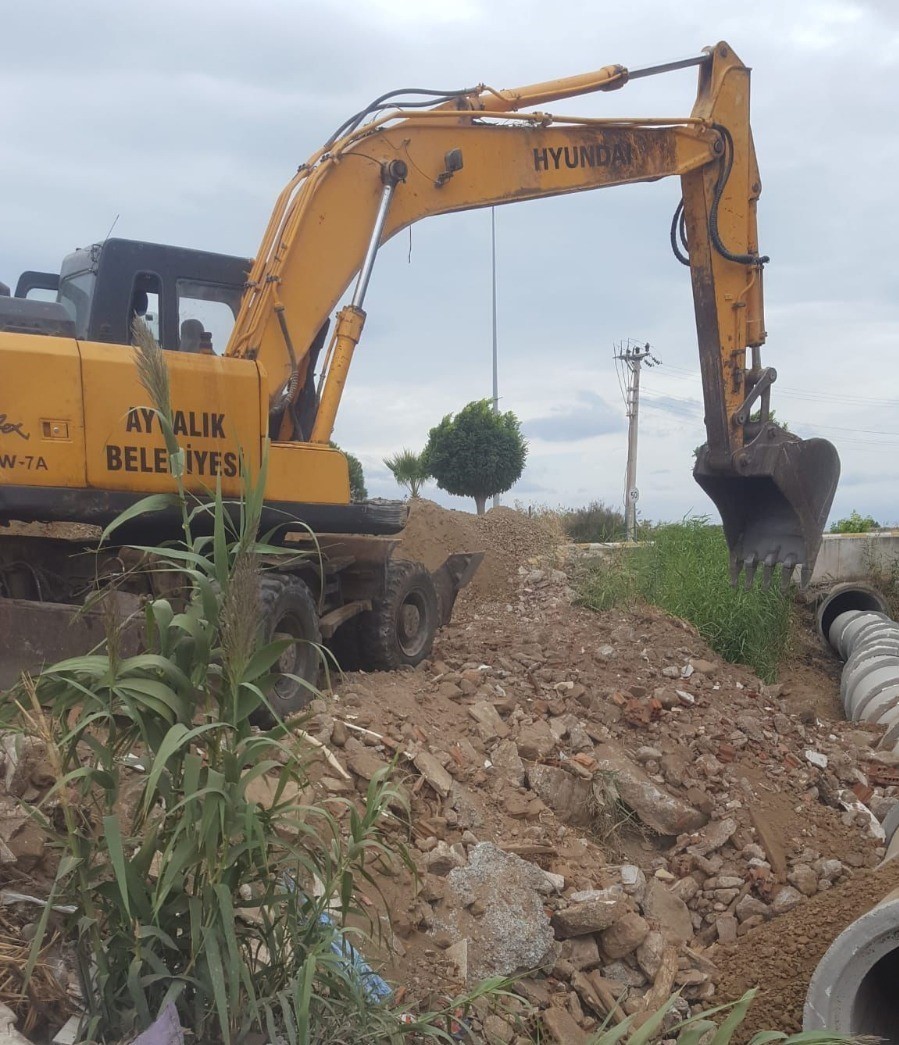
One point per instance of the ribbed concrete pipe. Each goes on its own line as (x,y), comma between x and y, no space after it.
(845,597)
(853,619)
(854,988)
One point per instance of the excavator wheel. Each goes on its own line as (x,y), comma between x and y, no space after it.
(289,611)
(401,625)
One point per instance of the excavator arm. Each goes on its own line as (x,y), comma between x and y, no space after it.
(477,149)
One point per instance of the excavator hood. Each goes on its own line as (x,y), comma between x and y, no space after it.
(774,501)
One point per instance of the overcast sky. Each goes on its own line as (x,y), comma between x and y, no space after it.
(184,119)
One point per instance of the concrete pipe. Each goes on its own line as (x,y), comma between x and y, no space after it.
(853,989)
(853,618)
(845,597)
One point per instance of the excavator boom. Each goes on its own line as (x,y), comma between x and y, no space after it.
(389,167)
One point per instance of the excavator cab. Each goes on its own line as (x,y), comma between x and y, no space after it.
(774,500)
(100,289)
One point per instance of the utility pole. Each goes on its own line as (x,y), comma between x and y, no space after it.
(632,356)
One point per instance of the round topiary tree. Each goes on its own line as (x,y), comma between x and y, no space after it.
(476,453)
(358,491)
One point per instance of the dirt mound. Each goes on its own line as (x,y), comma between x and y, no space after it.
(509,538)
(780,957)
(660,821)
(676,805)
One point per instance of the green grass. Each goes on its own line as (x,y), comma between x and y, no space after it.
(684,570)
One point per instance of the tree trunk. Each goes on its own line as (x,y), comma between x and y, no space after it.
(481,501)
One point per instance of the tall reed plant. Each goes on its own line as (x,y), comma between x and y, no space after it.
(209,892)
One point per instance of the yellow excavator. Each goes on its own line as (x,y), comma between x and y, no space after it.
(245,340)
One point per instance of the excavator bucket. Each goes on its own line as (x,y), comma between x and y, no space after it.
(774,502)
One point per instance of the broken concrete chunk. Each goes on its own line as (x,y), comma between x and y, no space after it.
(685,888)
(749,907)
(671,913)
(655,806)
(433,772)
(458,955)
(650,952)
(713,837)
(535,741)
(804,879)
(633,881)
(625,935)
(581,951)
(506,760)
(726,928)
(513,933)
(490,725)
(562,1028)
(443,858)
(786,899)
(590,916)
(570,796)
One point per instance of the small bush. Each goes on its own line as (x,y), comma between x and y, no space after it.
(596,523)
(685,572)
(855,523)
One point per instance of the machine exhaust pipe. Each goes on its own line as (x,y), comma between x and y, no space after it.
(853,988)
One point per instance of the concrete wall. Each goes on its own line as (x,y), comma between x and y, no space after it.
(852,556)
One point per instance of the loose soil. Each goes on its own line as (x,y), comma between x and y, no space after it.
(520,659)
(518,642)
(780,958)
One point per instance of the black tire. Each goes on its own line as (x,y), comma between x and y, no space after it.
(288,610)
(402,623)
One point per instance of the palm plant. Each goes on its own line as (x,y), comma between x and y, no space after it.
(409,469)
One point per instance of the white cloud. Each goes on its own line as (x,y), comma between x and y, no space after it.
(186,120)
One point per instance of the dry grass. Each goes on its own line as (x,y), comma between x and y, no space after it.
(44,998)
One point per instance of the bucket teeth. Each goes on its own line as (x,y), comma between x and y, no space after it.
(772,568)
(768,572)
(786,574)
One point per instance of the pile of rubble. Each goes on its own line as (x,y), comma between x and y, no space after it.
(597,805)
(600,802)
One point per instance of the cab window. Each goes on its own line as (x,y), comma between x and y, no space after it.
(206,315)
(146,302)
